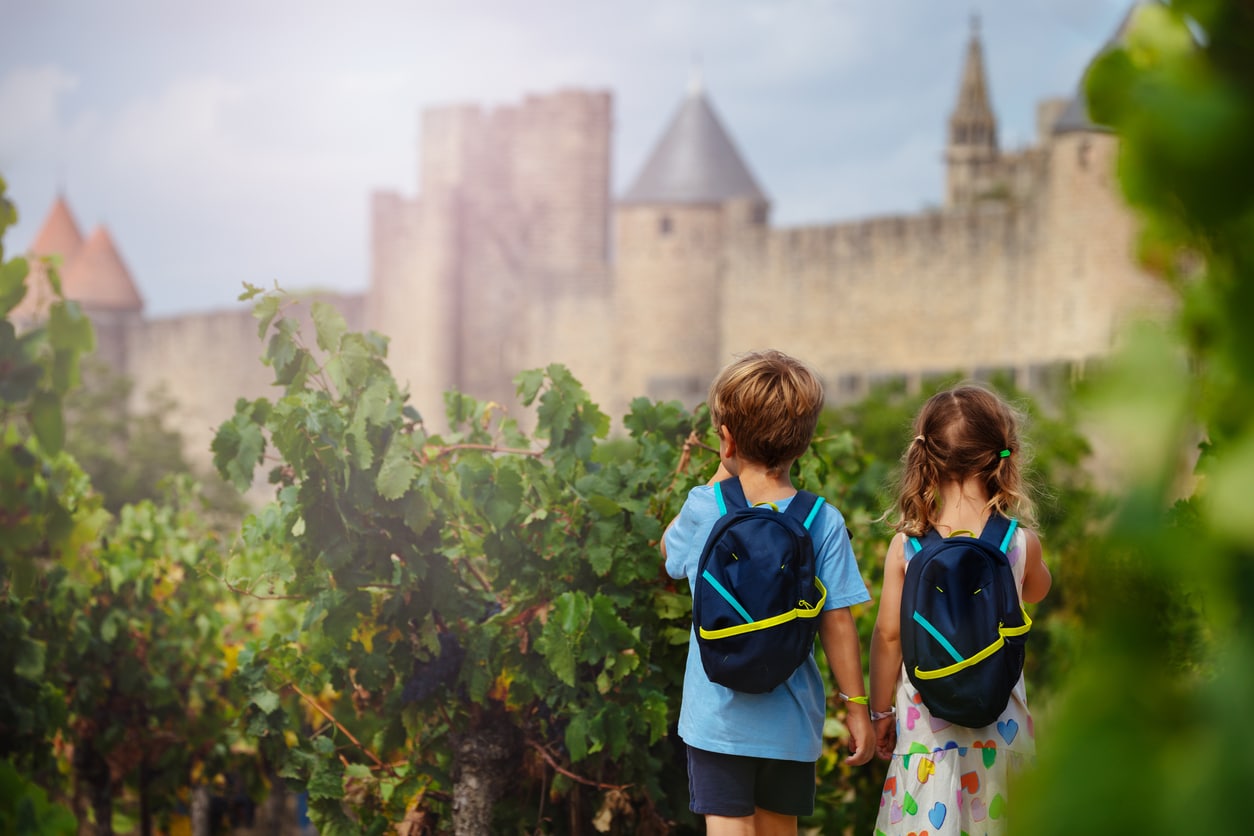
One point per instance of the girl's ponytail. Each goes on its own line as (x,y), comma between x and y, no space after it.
(962,432)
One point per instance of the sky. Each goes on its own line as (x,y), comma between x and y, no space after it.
(241,140)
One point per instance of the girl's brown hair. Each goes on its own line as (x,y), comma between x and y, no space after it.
(770,403)
(962,432)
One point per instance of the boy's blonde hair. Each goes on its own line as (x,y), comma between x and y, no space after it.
(770,403)
(962,432)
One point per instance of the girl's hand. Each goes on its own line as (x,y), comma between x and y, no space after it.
(885,737)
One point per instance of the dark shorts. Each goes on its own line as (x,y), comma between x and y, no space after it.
(733,786)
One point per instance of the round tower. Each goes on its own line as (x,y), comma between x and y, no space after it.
(1097,282)
(692,199)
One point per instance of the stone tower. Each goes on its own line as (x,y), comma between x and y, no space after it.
(513,215)
(694,196)
(971,150)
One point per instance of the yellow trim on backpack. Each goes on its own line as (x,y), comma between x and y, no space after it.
(804,611)
(940,673)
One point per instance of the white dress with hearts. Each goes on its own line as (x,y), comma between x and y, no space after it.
(947,780)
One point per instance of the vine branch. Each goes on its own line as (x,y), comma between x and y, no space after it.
(587,782)
(331,718)
(249,593)
(488,448)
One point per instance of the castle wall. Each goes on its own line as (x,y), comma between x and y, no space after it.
(1042,279)
(205,362)
(885,296)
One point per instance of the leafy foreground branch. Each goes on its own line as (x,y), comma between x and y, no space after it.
(480,610)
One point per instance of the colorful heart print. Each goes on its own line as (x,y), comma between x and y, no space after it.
(927,768)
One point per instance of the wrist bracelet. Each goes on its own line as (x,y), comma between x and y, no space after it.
(880,715)
(847,698)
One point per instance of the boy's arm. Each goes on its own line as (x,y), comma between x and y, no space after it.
(839,636)
(719,475)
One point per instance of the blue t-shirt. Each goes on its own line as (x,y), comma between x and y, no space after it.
(787,722)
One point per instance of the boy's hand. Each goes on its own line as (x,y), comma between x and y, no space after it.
(861,736)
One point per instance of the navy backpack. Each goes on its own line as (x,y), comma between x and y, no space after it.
(757,598)
(963,629)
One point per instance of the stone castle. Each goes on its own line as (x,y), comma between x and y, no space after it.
(516,255)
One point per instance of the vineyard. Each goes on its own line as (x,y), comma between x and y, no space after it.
(469,630)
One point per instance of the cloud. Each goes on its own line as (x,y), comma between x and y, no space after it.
(30,99)
(238,140)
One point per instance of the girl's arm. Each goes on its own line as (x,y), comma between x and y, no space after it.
(1036,577)
(839,636)
(886,646)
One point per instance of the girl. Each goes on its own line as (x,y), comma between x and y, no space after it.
(964,464)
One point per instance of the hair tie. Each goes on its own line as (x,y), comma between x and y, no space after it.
(920,438)
(1005,453)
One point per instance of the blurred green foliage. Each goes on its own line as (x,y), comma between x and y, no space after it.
(1150,733)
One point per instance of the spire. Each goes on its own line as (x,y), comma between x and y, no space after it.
(695,161)
(972,123)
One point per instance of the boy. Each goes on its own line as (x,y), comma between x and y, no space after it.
(751,757)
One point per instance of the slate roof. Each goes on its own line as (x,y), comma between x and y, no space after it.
(1075,116)
(695,161)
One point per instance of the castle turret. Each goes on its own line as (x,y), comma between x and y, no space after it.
(59,237)
(92,274)
(971,151)
(1074,117)
(1085,196)
(98,280)
(694,198)
(469,279)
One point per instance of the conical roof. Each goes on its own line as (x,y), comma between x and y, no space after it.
(694,162)
(59,235)
(97,278)
(1075,116)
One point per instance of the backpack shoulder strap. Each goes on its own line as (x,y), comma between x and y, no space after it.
(804,507)
(729,494)
(914,545)
(999,531)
